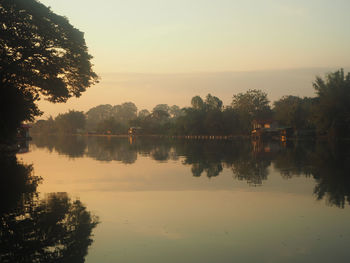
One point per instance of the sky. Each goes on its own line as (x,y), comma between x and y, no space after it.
(166,51)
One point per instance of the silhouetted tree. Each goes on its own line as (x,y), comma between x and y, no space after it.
(294,111)
(332,113)
(197,103)
(41,54)
(212,102)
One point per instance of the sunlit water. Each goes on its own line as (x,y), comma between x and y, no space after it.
(161,200)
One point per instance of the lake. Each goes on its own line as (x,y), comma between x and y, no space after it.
(110,199)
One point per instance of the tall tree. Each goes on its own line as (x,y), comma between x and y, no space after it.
(175,111)
(294,111)
(41,55)
(143,113)
(97,114)
(162,107)
(253,104)
(125,112)
(332,114)
(197,103)
(213,103)
(70,122)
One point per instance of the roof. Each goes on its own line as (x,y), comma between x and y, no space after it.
(264,121)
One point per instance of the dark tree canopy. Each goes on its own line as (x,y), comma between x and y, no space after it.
(42,52)
(41,55)
(294,111)
(253,103)
(332,113)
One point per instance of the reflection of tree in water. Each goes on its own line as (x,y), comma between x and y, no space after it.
(331,171)
(211,169)
(72,146)
(111,149)
(248,161)
(54,229)
(212,156)
(294,159)
(251,164)
(328,163)
(17,179)
(203,157)
(160,153)
(252,170)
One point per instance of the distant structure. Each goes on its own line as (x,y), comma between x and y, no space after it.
(23,132)
(134,131)
(263,129)
(264,124)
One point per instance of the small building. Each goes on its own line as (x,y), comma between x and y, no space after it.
(23,132)
(266,124)
(262,129)
(134,131)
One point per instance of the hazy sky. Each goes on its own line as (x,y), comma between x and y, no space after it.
(203,37)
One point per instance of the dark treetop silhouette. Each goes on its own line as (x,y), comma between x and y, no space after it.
(41,54)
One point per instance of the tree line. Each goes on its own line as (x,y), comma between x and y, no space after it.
(43,56)
(328,113)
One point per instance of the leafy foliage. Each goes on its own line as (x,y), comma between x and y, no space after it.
(332,112)
(329,112)
(41,55)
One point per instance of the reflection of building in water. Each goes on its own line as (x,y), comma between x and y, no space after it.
(131,139)
(267,147)
(23,146)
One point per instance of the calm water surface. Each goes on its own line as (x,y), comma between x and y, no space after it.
(150,200)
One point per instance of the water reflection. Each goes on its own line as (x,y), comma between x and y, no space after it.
(33,229)
(249,161)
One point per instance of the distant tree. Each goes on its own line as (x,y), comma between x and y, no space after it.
(47,126)
(161,112)
(175,111)
(162,107)
(70,122)
(197,103)
(160,115)
(97,114)
(293,111)
(111,125)
(213,103)
(41,54)
(332,113)
(143,113)
(231,121)
(125,112)
(253,104)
